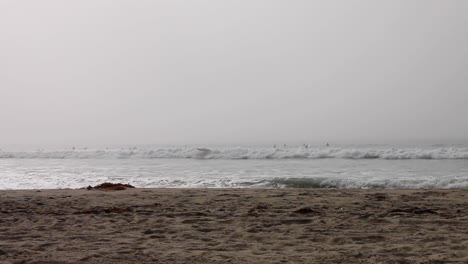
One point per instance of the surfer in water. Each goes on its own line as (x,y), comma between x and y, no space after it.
(327,144)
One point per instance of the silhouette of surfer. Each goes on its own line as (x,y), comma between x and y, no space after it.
(327,144)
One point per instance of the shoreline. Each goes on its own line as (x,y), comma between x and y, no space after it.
(247,188)
(238,225)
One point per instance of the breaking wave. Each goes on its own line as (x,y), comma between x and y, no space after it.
(246,153)
(346,183)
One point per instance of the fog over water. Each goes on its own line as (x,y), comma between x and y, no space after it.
(191,72)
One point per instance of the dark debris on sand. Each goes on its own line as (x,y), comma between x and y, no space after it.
(106,210)
(308,210)
(107,186)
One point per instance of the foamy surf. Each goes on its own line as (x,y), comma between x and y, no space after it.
(239,167)
(236,153)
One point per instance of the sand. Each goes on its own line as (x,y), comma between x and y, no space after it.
(234,226)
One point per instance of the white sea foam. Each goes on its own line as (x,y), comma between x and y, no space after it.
(235,153)
(369,183)
(239,167)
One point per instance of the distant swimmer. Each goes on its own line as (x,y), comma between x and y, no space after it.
(306,146)
(327,144)
(73,148)
(274,146)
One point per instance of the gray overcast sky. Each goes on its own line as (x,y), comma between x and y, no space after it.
(95,71)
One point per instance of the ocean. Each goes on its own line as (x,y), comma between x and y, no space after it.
(226,166)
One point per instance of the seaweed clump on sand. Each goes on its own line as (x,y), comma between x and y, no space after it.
(107,186)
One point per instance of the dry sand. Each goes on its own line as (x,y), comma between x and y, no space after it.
(234,226)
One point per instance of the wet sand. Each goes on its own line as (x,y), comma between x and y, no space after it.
(234,226)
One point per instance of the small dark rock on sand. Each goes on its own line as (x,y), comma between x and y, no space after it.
(107,186)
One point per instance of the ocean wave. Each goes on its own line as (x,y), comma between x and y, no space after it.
(346,183)
(246,153)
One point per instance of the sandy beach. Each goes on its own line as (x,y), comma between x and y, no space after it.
(234,226)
